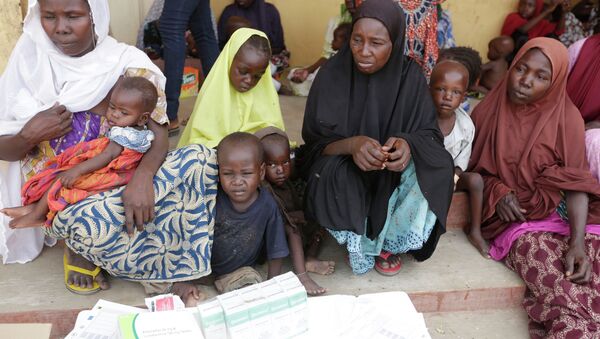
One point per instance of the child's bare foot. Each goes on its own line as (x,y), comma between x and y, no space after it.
(84,280)
(188,292)
(480,244)
(320,266)
(27,220)
(15,212)
(312,288)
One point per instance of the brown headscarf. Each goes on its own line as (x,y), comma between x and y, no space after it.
(536,150)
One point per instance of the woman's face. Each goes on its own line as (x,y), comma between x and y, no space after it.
(530,78)
(371,45)
(527,8)
(68,24)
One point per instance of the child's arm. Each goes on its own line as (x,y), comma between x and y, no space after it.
(274,267)
(112,150)
(531,23)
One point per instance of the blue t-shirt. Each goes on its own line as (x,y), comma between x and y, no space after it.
(239,236)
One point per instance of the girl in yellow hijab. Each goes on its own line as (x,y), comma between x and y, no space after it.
(238,94)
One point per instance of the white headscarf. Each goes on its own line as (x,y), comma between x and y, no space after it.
(39,75)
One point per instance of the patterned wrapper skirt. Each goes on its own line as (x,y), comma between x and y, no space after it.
(557,308)
(175,246)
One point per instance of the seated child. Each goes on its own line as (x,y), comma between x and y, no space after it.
(448,85)
(302,78)
(247,216)
(276,146)
(493,71)
(95,166)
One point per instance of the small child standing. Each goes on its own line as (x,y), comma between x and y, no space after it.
(492,72)
(448,85)
(95,166)
(276,146)
(247,216)
(302,78)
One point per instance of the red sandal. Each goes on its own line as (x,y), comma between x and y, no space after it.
(389,271)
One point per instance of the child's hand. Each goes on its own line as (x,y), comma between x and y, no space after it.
(300,75)
(68,177)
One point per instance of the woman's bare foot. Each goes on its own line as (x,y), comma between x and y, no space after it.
(15,212)
(312,288)
(322,267)
(480,244)
(84,280)
(188,292)
(27,220)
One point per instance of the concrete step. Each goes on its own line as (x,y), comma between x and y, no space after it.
(455,279)
(487,324)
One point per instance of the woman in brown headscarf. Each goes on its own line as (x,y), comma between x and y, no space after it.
(529,148)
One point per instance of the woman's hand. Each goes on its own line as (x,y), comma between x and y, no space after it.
(398,154)
(138,201)
(47,125)
(367,153)
(578,269)
(509,210)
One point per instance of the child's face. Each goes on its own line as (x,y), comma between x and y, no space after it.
(240,173)
(247,69)
(527,8)
(339,39)
(125,109)
(277,160)
(448,89)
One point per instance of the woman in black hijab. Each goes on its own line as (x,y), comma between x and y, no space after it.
(379,178)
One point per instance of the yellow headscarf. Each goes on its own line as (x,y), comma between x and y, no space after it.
(221,110)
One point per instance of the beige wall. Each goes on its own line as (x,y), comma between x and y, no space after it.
(10,28)
(476,22)
(304,25)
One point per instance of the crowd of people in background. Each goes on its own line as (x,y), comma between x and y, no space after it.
(398,118)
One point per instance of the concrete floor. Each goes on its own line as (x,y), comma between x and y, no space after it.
(466,295)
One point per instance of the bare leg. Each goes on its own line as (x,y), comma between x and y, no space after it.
(313,264)
(188,292)
(473,184)
(297,255)
(36,216)
(83,280)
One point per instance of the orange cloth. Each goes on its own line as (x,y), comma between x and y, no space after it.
(117,173)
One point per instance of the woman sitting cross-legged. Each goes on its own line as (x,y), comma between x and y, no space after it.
(541,203)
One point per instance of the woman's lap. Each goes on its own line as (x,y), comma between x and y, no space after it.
(408,226)
(556,307)
(174,247)
(592,145)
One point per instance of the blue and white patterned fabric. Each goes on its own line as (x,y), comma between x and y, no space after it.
(408,226)
(176,246)
(134,139)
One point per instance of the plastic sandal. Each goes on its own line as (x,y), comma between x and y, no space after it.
(389,271)
(76,289)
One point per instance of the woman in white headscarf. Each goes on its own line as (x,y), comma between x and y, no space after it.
(53,94)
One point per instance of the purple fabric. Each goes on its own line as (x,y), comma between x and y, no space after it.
(500,246)
(86,127)
(263,16)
